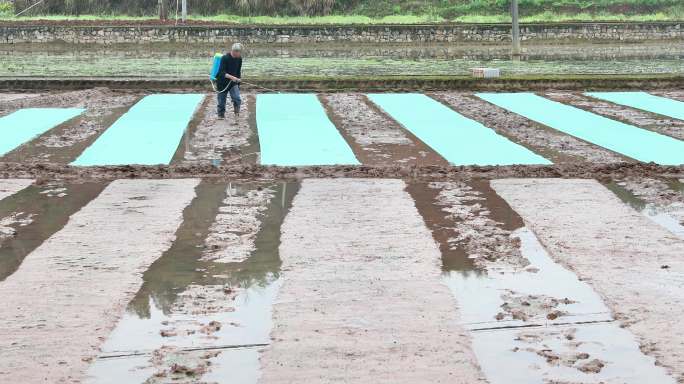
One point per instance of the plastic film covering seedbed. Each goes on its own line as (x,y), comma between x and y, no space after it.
(460,140)
(26,124)
(644,101)
(637,143)
(147,134)
(294,130)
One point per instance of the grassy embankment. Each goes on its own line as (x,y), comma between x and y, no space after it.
(388,12)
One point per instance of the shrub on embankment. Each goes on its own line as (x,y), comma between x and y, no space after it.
(438,9)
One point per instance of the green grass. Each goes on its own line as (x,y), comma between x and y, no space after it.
(676,14)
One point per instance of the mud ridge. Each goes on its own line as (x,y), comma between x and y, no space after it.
(417,173)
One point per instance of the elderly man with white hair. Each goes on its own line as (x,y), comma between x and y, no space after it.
(228,80)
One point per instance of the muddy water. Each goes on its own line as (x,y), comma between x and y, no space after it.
(183,60)
(166,323)
(41,211)
(655,213)
(530,319)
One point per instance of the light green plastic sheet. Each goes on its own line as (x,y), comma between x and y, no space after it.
(26,124)
(644,101)
(294,130)
(148,134)
(460,140)
(637,143)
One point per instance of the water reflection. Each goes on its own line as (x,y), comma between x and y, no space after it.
(246,321)
(47,209)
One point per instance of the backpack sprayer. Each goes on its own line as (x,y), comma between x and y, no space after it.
(213,76)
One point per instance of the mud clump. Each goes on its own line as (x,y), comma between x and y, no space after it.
(566,355)
(593,366)
(178,366)
(527,307)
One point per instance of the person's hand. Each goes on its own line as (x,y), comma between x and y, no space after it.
(237,80)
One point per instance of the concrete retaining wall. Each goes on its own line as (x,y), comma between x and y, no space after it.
(369,34)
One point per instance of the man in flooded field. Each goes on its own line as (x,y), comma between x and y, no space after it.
(228,80)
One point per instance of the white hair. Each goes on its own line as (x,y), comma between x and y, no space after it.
(236,47)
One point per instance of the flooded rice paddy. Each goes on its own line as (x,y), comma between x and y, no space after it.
(147,280)
(338,60)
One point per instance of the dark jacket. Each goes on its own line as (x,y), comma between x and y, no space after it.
(229,65)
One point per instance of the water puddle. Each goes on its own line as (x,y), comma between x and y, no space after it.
(197,320)
(659,215)
(32,215)
(530,319)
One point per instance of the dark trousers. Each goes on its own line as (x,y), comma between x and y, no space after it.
(234,98)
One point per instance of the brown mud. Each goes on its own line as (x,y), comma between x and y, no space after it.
(550,143)
(642,119)
(416,173)
(376,138)
(213,141)
(470,222)
(672,94)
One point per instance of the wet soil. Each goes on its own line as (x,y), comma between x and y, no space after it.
(426,173)
(470,222)
(660,199)
(341,305)
(31,216)
(672,94)
(642,119)
(81,278)
(212,141)
(206,310)
(554,145)
(376,138)
(639,272)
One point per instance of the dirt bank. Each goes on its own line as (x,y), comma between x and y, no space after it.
(550,143)
(82,278)
(425,173)
(640,268)
(472,225)
(349,303)
(672,94)
(375,137)
(651,121)
(223,141)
